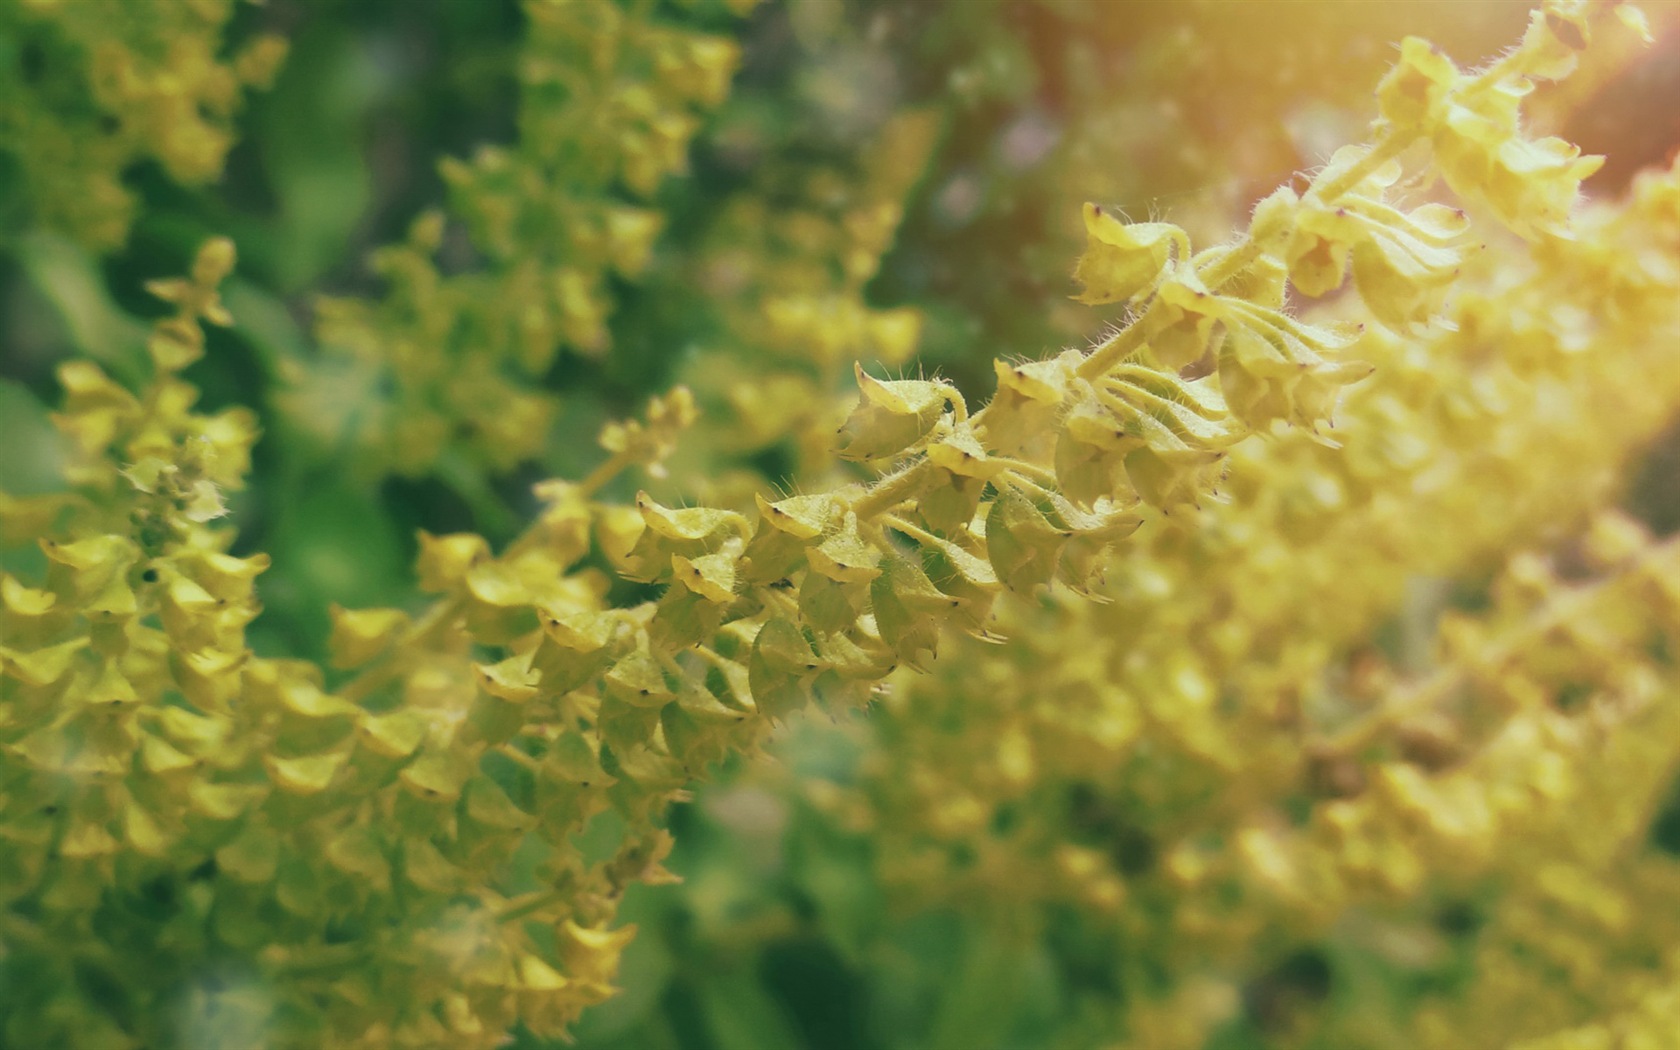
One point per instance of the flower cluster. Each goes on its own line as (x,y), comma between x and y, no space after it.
(88,90)
(1232,768)
(610,99)
(165,784)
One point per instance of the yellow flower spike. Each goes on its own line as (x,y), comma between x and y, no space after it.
(167,95)
(1125,261)
(1239,600)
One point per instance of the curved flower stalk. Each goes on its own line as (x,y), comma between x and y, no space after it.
(1185,707)
(611,98)
(93,88)
(819,596)
(430,843)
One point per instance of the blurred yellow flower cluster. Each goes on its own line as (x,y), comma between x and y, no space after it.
(610,101)
(93,88)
